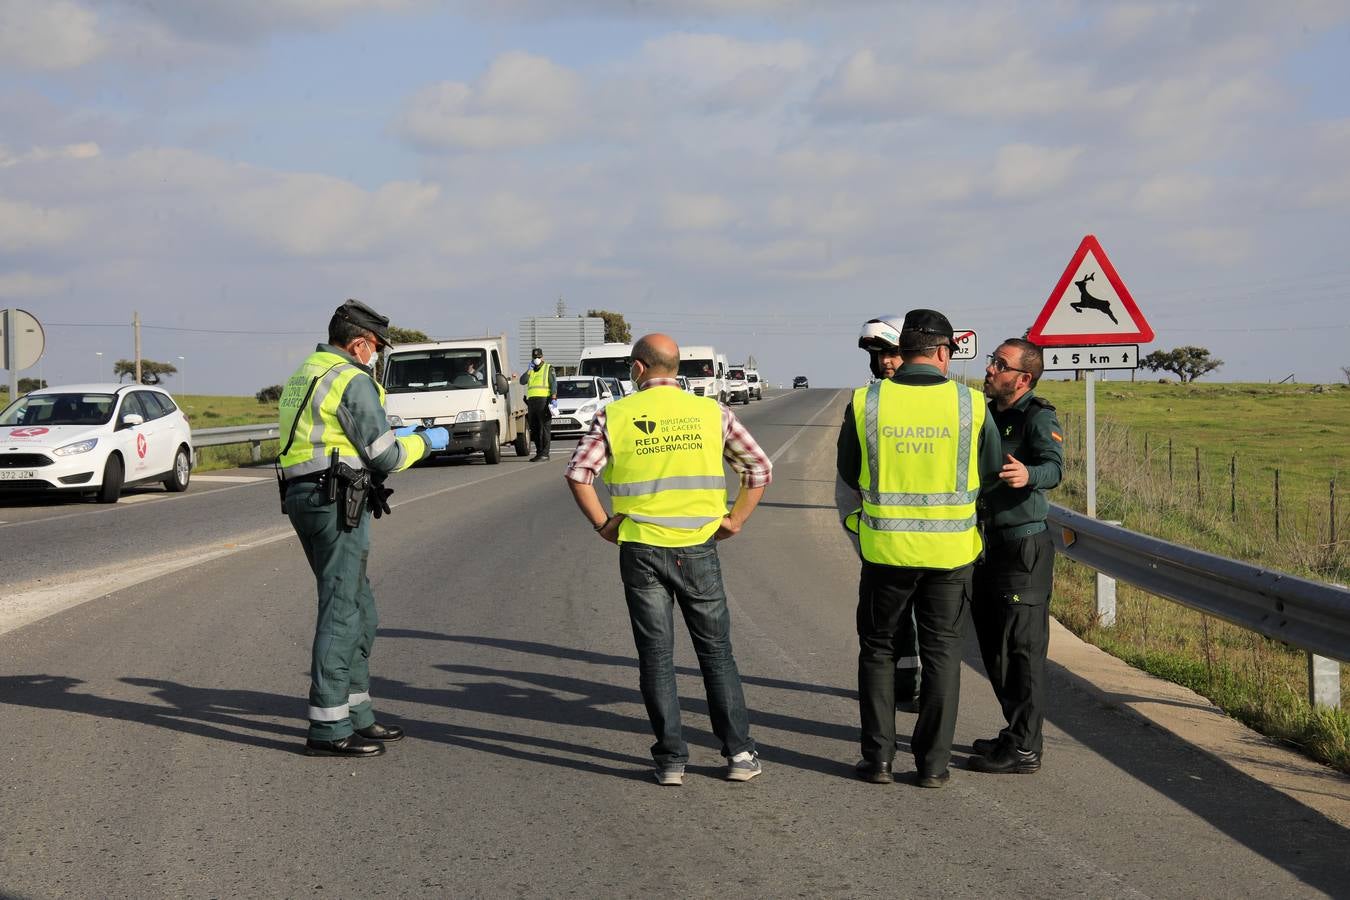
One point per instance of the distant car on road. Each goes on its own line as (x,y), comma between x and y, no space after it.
(756,387)
(94,439)
(580,397)
(800,382)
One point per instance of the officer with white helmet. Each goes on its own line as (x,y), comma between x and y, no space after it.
(880,337)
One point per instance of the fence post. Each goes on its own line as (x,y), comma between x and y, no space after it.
(1324,681)
(257,451)
(1277,504)
(1332,494)
(1106,596)
(1197,475)
(1232,488)
(1169,460)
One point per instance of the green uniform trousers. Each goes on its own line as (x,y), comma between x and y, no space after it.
(339,686)
(1011,609)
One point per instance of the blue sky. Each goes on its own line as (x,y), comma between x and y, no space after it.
(760,175)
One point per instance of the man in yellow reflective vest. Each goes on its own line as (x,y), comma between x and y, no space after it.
(332,411)
(918,448)
(661,452)
(541,390)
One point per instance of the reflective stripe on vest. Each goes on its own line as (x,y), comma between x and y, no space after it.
(920,475)
(318,430)
(538,383)
(665,468)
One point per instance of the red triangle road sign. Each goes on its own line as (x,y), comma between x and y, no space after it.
(1090,305)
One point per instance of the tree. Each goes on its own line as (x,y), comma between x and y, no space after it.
(151,372)
(270,394)
(1187,363)
(616,326)
(1345,370)
(406,335)
(27,385)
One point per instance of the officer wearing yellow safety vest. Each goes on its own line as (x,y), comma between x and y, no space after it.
(541,394)
(918,448)
(661,452)
(337,447)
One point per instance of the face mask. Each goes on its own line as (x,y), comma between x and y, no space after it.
(538,361)
(368,360)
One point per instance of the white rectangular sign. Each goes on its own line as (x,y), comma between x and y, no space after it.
(1107,356)
(965,342)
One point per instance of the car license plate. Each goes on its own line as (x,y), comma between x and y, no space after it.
(17,474)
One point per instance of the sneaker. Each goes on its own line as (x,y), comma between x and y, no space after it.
(670,774)
(743,766)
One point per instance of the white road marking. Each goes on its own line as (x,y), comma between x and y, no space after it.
(235,479)
(141,498)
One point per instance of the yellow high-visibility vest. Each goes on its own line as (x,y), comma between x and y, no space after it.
(538,383)
(318,431)
(920,473)
(665,468)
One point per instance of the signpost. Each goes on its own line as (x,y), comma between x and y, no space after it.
(23,341)
(965,343)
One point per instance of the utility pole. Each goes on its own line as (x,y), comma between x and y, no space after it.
(561,308)
(136,326)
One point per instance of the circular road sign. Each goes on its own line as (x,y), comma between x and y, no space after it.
(29,341)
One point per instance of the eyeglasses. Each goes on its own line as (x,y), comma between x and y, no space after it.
(1001,366)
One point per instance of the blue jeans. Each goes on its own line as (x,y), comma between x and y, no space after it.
(654,580)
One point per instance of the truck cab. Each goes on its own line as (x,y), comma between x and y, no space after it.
(608,361)
(461,386)
(700,364)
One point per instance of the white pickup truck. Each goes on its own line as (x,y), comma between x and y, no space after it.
(460,385)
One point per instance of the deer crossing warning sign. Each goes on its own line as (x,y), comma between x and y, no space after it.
(1089,305)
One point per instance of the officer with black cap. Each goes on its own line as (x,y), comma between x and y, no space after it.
(918,448)
(336,448)
(541,392)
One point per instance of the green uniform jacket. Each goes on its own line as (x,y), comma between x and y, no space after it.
(1030,431)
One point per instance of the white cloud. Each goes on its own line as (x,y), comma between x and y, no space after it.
(1023,170)
(696,212)
(722,71)
(25,226)
(47,35)
(522,100)
(25,285)
(82,150)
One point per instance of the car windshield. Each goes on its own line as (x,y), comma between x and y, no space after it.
(736,374)
(581,389)
(696,368)
(752,377)
(435,370)
(605,367)
(60,409)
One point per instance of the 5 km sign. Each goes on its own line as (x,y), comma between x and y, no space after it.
(1120,356)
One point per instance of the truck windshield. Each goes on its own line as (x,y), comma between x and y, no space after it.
(696,368)
(435,370)
(60,409)
(605,367)
(736,374)
(576,390)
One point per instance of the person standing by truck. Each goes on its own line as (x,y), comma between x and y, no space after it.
(541,392)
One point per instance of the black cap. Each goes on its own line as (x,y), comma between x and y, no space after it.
(536,352)
(928,321)
(363,316)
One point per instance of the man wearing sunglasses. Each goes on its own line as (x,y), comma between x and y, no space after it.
(1013,582)
(918,448)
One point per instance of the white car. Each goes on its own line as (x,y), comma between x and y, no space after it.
(756,387)
(94,438)
(580,397)
(738,389)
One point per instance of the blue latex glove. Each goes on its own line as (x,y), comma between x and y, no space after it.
(437,437)
(405,431)
(553,407)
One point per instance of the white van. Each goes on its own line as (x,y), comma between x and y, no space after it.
(706,370)
(461,386)
(738,385)
(608,361)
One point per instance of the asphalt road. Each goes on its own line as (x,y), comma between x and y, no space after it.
(152,736)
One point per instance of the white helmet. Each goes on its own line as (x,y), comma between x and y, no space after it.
(880,333)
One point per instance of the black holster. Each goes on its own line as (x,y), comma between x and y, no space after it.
(352,487)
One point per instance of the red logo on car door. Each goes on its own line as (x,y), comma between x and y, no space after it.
(28,432)
(140,446)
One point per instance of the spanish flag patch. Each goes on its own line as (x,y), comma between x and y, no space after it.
(1057,437)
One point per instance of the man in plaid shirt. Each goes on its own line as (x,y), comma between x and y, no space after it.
(661,452)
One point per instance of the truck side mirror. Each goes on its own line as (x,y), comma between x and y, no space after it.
(500,384)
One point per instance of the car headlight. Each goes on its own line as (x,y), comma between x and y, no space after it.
(586,409)
(471,415)
(77,447)
(395,421)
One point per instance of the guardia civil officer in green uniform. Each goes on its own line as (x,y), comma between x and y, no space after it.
(541,390)
(1013,582)
(332,404)
(918,448)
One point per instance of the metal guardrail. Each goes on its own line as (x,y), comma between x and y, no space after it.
(1306,614)
(237,434)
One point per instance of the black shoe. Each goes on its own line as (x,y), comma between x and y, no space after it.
(934,781)
(535,458)
(1006,760)
(907,706)
(545,456)
(874,772)
(378,732)
(350,746)
(984,746)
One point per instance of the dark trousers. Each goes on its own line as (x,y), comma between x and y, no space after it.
(655,579)
(540,423)
(939,602)
(1011,608)
(907,663)
(344,629)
